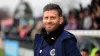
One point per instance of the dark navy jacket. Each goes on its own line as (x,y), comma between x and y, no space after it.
(65,45)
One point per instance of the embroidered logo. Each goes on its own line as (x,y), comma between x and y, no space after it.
(40,51)
(52,52)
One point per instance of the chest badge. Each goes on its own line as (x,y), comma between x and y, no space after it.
(52,52)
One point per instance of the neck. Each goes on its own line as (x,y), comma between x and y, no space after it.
(55,34)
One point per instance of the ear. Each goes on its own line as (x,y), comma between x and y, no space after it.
(61,20)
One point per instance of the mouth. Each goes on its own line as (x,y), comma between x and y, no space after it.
(49,26)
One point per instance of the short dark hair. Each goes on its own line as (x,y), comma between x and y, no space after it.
(98,52)
(52,6)
(85,50)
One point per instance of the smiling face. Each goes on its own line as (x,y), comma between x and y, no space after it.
(51,20)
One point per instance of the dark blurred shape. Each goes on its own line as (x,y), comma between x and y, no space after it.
(71,21)
(98,22)
(3,14)
(97,53)
(80,20)
(24,20)
(6,20)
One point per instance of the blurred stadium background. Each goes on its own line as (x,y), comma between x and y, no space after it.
(20,20)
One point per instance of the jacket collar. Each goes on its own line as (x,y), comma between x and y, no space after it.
(52,36)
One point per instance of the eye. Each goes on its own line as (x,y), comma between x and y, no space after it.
(45,17)
(53,18)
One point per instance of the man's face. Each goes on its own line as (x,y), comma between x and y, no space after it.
(51,20)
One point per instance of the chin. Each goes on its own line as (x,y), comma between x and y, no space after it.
(49,30)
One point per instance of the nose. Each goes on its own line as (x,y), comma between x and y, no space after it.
(48,20)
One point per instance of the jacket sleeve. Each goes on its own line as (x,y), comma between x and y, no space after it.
(36,42)
(70,47)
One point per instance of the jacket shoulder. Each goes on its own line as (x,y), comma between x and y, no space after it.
(67,35)
(37,38)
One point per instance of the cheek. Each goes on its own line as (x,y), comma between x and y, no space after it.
(57,22)
(44,22)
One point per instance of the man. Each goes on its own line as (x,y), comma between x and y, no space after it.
(84,52)
(97,53)
(54,40)
(87,22)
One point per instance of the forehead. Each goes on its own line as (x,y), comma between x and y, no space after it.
(50,13)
